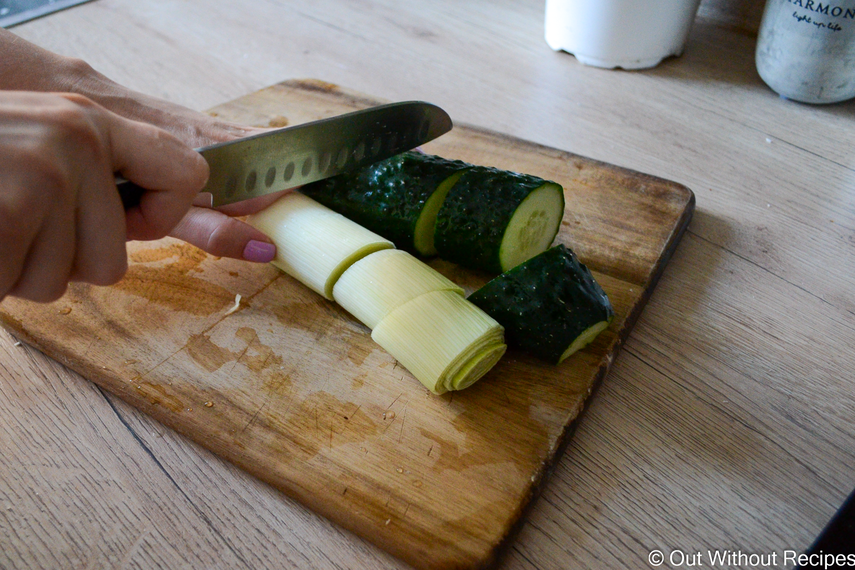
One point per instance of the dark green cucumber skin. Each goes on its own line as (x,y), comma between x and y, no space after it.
(545,302)
(471,223)
(386,197)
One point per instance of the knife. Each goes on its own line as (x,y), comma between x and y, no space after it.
(272,161)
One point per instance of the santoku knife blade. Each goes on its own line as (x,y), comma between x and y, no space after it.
(289,157)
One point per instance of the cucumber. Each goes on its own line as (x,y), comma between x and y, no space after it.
(550,305)
(397,198)
(495,219)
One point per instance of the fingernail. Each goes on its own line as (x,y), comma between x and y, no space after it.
(259,251)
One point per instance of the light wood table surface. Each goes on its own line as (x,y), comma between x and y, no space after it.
(728,420)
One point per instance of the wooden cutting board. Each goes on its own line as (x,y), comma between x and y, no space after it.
(291,388)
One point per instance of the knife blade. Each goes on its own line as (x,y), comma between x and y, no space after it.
(292,156)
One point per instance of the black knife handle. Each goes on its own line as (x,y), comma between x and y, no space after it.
(130,193)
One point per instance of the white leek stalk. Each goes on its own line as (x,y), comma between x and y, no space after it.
(445,341)
(418,316)
(314,244)
(379,283)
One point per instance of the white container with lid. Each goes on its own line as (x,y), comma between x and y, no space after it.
(632,34)
(806,49)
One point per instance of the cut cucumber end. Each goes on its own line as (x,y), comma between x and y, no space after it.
(584,339)
(423,239)
(533,227)
(550,306)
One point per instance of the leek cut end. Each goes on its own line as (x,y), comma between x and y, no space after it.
(445,341)
(345,263)
(482,363)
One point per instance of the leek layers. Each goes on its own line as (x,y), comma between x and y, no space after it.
(418,315)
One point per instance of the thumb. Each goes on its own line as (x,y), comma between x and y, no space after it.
(220,235)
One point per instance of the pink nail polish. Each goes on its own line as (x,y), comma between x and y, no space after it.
(259,251)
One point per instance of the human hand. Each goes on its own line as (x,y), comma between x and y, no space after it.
(61,218)
(216,232)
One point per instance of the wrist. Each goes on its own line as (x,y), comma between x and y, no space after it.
(28,67)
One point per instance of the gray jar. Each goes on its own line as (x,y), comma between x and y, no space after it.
(806,49)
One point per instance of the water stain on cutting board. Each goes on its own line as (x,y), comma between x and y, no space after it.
(159,396)
(357,353)
(322,320)
(448,454)
(328,422)
(487,417)
(172,284)
(210,356)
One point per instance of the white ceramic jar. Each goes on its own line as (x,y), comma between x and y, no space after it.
(632,34)
(806,49)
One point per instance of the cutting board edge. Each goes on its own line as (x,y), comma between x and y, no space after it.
(608,361)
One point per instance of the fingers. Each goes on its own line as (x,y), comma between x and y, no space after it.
(61,217)
(49,262)
(172,172)
(36,239)
(220,235)
(17,232)
(101,258)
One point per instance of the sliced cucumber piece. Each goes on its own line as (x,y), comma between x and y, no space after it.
(533,226)
(495,219)
(397,198)
(550,305)
(584,339)
(423,238)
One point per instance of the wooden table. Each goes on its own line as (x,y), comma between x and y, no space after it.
(727,421)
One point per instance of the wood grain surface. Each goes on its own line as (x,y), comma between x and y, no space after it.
(727,421)
(292,389)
